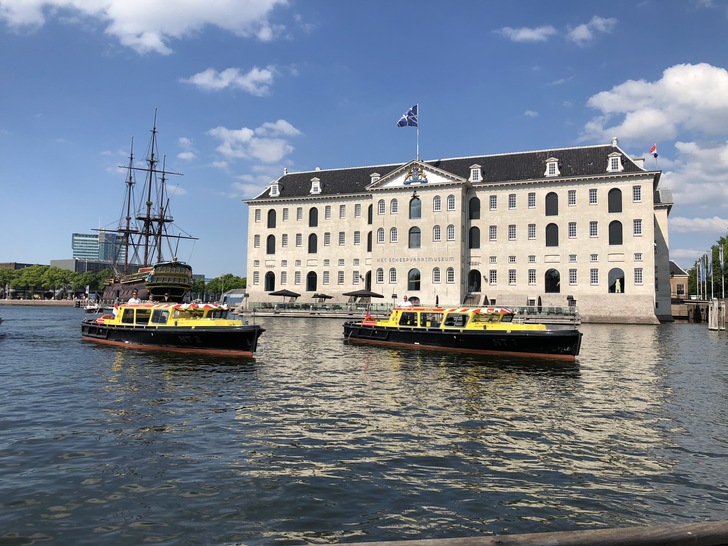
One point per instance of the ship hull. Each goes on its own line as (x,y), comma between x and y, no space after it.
(554,343)
(226,341)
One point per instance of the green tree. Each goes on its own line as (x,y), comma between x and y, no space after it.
(219,285)
(7,278)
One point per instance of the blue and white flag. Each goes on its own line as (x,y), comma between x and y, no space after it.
(408,119)
(709,264)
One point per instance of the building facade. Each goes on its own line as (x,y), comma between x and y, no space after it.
(101,246)
(582,226)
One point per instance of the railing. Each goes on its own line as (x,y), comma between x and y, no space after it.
(526,314)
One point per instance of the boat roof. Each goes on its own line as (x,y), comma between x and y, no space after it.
(172,305)
(487,310)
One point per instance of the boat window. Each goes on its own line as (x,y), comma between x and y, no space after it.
(507,318)
(159,316)
(456,320)
(142,316)
(408,319)
(431,320)
(128,316)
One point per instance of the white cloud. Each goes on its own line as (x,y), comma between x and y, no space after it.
(711,226)
(586,33)
(581,35)
(687,98)
(188,152)
(256,82)
(526,34)
(530,114)
(267,143)
(149,26)
(251,184)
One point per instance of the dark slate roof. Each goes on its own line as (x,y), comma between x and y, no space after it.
(676,269)
(573,162)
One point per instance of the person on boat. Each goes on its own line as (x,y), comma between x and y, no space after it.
(134,297)
(405,302)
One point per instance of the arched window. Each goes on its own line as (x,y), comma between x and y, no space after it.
(451,232)
(312,243)
(616,281)
(393,235)
(369,241)
(380,235)
(311,282)
(271,218)
(392,275)
(552,282)
(415,208)
(436,275)
(381,207)
(615,200)
(552,204)
(413,280)
(270,281)
(474,279)
(615,232)
(436,235)
(450,275)
(474,209)
(313,217)
(552,235)
(414,238)
(370,213)
(450,202)
(393,206)
(270,244)
(474,238)
(380,276)
(436,203)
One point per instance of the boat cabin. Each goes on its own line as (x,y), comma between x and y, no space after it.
(449,318)
(164,314)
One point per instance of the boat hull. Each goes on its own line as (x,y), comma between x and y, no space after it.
(554,343)
(228,340)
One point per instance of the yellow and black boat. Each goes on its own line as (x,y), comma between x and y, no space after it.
(486,330)
(182,327)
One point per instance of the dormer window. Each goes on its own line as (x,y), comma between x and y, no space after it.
(315,186)
(374,177)
(275,190)
(614,164)
(476,174)
(552,167)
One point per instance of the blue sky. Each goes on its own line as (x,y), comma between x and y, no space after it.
(245,88)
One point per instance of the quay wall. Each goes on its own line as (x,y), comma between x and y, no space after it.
(53,303)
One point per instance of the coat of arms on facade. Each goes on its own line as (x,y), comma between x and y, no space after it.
(416,175)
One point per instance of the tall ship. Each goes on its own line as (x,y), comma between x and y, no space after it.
(145,259)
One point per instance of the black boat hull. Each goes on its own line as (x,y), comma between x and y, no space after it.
(556,343)
(228,340)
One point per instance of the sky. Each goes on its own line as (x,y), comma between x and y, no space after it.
(245,88)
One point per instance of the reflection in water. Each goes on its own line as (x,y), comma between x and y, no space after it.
(316,440)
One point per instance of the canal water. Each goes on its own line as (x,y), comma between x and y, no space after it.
(316,441)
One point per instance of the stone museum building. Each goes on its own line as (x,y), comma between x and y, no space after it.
(583,226)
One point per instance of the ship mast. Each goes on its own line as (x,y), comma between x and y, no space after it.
(153,230)
(126,232)
(143,224)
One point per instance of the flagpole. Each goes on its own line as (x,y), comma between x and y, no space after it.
(722,273)
(418,133)
(711,272)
